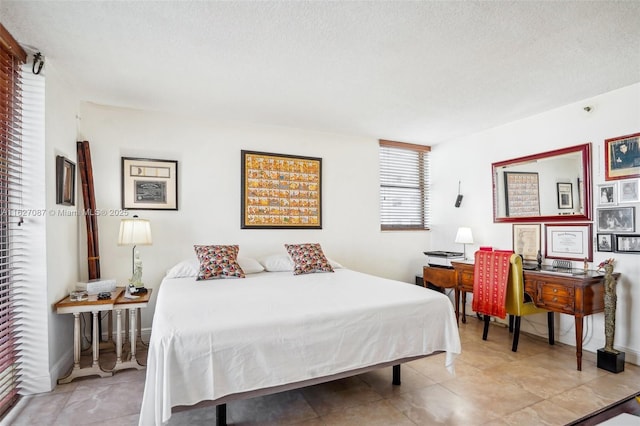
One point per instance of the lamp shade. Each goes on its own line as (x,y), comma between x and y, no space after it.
(464,236)
(135,231)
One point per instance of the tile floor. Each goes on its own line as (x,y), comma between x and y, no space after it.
(538,385)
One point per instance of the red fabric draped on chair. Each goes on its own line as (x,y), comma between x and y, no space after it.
(490,277)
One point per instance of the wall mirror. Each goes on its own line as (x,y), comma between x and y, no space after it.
(549,186)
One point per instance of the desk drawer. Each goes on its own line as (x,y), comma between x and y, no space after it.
(465,280)
(440,277)
(555,297)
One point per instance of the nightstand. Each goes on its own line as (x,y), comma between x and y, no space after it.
(95,306)
(135,332)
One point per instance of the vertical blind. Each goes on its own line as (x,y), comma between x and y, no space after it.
(11,58)
(404,181)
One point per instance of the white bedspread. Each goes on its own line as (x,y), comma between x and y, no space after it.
(215,338)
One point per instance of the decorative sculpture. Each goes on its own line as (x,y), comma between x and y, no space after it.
(136,278)
(609,358)
(610,301)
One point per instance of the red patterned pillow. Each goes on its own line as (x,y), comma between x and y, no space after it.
(218,262)
(308,258)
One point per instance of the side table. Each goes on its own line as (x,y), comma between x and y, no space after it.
(133,306)
(95,306)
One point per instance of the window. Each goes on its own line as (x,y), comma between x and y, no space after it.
(404,186)
(11,58)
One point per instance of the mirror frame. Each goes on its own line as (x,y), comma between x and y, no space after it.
(584,150)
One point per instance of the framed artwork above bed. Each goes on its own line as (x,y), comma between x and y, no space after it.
(281,191)
(149,184)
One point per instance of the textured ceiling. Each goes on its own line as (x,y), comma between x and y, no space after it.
(419,72)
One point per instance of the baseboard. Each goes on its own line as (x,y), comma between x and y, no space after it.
(61,367)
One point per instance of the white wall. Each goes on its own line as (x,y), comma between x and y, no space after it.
(208,155)
(61,106)
(469,160)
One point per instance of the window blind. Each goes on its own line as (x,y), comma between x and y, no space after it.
(11,58)
(404,181)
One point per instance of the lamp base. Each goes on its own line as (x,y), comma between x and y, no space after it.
(613,362)
(136,290)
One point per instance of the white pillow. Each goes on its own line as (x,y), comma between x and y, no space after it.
(334,264)
(186,268)
(283,263)
(191,267)
(277,263)
(250,265)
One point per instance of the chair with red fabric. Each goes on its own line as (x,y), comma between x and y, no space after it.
(490,279)
(498,290)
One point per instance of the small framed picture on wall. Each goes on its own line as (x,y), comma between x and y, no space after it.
(605,242)
(628,243)
(617,219)
(607,194)
(629,191)
(65,181)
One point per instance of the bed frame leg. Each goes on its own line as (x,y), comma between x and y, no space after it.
(221,415)
(396,375)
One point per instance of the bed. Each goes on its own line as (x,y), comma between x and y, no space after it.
(229,339)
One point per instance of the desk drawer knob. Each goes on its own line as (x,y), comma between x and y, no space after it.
(555,290)
(555,299)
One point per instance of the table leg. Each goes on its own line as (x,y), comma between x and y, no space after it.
(464,306)
(126,329)
(456,302)
(95,338)
(118,336)
(76,340)
(132,338)
(578,321)
(110,327)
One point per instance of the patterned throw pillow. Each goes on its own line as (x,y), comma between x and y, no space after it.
(218,262)
(308,258)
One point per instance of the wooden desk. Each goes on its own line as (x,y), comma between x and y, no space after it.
(577,295)
(440,276)
(95,306)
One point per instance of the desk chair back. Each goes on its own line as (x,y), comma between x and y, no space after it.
(517,307)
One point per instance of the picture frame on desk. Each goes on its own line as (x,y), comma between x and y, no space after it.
(570,241)
(526,240)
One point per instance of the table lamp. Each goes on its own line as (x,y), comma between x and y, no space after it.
(135,231)
(464,237)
